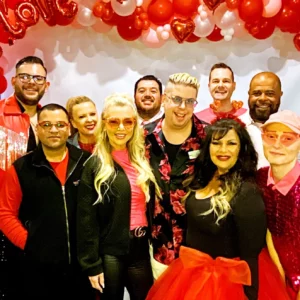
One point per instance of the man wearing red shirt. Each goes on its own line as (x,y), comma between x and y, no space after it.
(18,118)
(38,202)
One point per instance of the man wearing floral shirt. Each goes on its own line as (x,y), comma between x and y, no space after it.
(173,143)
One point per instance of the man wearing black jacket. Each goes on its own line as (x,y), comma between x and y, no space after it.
(38,212)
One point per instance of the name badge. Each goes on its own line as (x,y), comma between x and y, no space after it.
(193,154)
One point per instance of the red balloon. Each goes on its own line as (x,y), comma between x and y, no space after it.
(192,38)
(12,4)
(216,35)
(288,20)
(63,21)
(127,30)
(294,5)
(232,4)
(182,29)
(297,41)
(250,10)
(212,4)
(3,84)
(27,13)
(262,28)
(98,9)
(185,8)
(160,12)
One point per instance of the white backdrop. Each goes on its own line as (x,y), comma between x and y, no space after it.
(83,62)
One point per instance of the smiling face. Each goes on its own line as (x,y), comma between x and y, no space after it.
(221,84)
(147,98)
(178,116)
(225,151)
(285,148)
(85,118)
(264,96)
(29,93)
(119,135)
(52,137)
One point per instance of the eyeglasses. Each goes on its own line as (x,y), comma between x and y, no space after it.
(48,125)
(114,123)
(38,79)
(177,100)
(286,138)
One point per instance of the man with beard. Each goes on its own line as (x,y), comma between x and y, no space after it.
(221,86)
(18,118)
(147,95)
(264,100)
(264,96)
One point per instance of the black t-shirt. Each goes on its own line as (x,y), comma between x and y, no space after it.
(171,150)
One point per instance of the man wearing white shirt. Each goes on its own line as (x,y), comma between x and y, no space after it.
(147,95)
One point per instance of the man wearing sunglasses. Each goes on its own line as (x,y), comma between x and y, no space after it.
(280,184)
(18,119)
(38,212)
(173,142)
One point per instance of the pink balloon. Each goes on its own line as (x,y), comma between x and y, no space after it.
(239,29)
(85,17)
(150,39)
(271,8)
(225,18)
(203,27)
(123,8)
(101,27)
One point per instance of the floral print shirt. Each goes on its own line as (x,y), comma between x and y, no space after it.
(169,223)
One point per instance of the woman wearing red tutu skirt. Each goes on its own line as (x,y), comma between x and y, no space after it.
(280,184)
(226,226)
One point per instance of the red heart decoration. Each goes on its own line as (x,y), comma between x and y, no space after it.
(182,29)
(212,4)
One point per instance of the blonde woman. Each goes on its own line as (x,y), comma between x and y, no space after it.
(115,208)
(84,117)
(226,224)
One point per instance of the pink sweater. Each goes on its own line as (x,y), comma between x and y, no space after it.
(138,199)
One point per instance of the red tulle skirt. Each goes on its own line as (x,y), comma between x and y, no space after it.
(195,275)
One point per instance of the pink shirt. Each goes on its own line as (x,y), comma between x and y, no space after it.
(208,115)
(287,182)
(138,199)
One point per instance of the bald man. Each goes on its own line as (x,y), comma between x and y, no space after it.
(264,96)
(264,99)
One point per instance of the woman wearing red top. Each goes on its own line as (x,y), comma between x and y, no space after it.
(280,184)
(116,197)
(84,117)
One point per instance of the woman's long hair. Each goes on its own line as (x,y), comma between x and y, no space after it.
(243,170)
(106,172)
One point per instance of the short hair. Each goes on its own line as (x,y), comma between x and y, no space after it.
(30,60)
(221,66)
(74,101)
(52,107)
(184,79)
(148,78)
(246,164)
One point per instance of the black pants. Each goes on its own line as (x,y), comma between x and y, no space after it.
(132,271)
(50,282)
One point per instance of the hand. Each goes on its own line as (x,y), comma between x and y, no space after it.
(97,282)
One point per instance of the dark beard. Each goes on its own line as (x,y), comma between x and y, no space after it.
(262,116)
(31,102)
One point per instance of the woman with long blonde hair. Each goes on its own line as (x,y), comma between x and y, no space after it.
(116,197)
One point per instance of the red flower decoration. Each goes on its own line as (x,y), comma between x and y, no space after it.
(175,200)
(165,169)
(165,255)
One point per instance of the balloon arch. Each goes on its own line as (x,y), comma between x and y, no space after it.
(154,22)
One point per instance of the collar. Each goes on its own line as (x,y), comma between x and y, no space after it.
(14,107)
(157,116)
(287,182)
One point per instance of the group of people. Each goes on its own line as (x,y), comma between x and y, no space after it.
(150,195)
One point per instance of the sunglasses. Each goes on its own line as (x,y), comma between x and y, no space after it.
(285,138)
(115,123)
(48,125)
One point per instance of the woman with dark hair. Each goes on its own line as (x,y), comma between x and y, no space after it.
(226,223)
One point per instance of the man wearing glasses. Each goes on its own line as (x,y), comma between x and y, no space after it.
(18,118)
(38,212)
(173,143)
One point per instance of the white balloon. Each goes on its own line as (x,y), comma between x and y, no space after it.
(138,2)
(165,35)
(205,27)
(271,8)
(203,15)
(228,37)
(230,31)
(167,27)
(126,8)
(85,16)
(159,29)
(225,18)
